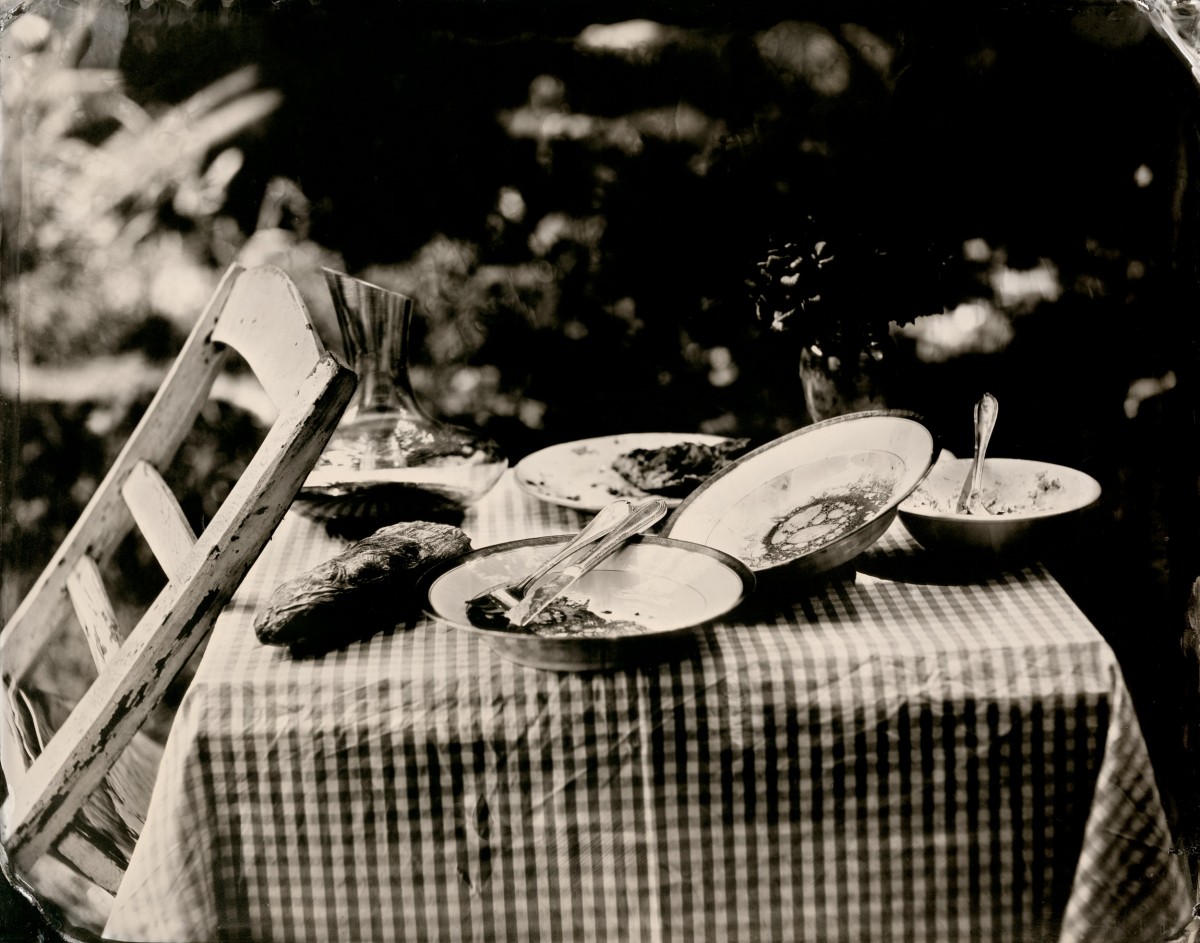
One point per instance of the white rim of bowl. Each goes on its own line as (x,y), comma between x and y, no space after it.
(1094,489)
(916,418)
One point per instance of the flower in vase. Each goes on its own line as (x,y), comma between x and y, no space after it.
(823,284)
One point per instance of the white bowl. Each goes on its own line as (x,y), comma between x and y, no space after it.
(667,586)
(1032,501)
(811,500)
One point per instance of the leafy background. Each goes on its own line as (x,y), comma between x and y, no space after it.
(576,194)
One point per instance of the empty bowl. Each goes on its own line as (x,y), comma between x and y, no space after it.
(653,590)
(813,499)
(1030,503)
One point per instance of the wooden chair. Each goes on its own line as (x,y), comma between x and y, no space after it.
(60,801)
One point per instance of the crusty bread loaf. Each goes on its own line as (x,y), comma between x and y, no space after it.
(367,587)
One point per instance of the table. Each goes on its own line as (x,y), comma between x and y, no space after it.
(881,761)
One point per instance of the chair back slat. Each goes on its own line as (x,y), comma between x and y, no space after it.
(87,859)
(106,520)
(95,612)
(118,702)
(159,517)
(281,356)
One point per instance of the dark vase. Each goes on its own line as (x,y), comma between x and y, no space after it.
(846,375)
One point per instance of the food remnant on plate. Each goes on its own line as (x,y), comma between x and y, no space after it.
(1038,498)
(1000,500)
(819,522)
(676,470)
(563,618)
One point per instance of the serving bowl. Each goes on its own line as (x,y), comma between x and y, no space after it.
(1032,503)
(667,587)
(812,500)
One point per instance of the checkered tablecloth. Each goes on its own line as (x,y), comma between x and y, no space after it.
(882,760)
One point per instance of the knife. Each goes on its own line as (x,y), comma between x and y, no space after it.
(642,517)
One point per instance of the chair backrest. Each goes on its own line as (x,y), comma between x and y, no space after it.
(257,312)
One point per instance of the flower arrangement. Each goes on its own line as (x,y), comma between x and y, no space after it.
(833,287)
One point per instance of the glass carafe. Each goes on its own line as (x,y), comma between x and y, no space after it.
(389,459)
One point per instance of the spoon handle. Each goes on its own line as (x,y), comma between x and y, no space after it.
(644,515)
(606,519)
(641,518)
(986,412)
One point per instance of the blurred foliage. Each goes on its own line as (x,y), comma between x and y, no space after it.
(599,200)
(117,202)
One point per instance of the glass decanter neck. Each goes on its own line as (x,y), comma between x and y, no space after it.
(375,324)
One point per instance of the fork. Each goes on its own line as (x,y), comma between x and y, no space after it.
(503,596)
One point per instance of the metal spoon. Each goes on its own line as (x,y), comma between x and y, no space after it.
(504,596)
(986,411)
(644,515)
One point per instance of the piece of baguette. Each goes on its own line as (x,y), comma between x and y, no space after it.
(366,588)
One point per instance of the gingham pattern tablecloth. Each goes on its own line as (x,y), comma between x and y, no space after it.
(883,760)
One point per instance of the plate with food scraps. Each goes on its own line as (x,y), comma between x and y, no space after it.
(587,474)
(812,500)
(639,604)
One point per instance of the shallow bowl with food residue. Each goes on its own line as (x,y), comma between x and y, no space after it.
(812,500)
(1030,504)
(639,603)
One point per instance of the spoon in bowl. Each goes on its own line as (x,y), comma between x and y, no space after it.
(503,596)
(969,499)
(645,514)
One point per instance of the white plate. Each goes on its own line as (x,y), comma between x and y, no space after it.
(580,475)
